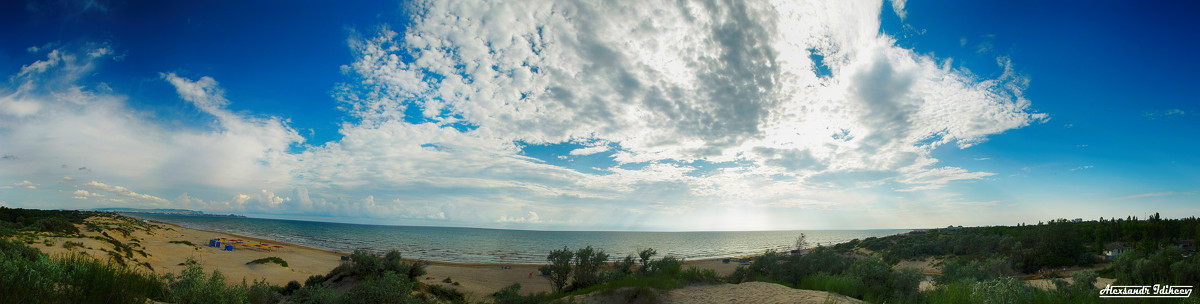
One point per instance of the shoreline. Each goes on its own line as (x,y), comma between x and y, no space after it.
(448,263)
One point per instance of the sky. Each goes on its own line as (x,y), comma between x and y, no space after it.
(614,115)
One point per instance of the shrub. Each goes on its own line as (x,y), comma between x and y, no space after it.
(314,280)
(842,284)
(668,265)
(587,266)
(275,260)
(54,224)
(262,293)
(560,267)
(447,294)
(194,286)
(388,288)
(624,266)
(696,275)
(512,295)
(365,263)
(291,287)
(71,244)
(906,284)
(314,294)
(645,256)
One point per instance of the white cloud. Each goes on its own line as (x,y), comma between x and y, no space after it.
(1082,168)
(589,150)
(125,192)
(26,184)
(84,194)
(531,218)
(665,88)
(898,7)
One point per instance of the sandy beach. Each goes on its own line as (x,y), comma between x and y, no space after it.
(165,252)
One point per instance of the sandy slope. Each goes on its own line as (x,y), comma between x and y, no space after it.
(165,257)
(751,292)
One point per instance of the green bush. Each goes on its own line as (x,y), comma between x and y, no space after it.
(842,284)
(275,260)
(388,288)
(560,267)
(314,280)
(365,263)
(262,293)
(54,224)
(696,275)
(447,294)
(624,266)
(194,286)
(645,256)
(587,266)
(668,265)
(314,294)
(183,243)
(512,295)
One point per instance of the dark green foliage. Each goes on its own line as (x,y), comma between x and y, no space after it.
(387,288)
(262,293)
(624,266)
(52,221)
(314,295)
(767,265)
(974,271)
(71,244)
(275,260)
(560,267)
(645,256)
(875,274)
(447,294)
(70,279)
(370,264)
(905,284)
(587,266)
(512,295)
(193,285)
(55,224)
(291,287)
(1168,265)
(365,263)
(18,250)
(696,275)
(183,243)
(668,265)
(314,280)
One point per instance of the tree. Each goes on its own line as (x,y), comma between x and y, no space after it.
(801,243)
(645,256)
(587,266)
(560,267)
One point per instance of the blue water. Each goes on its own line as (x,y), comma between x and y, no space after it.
(475,245)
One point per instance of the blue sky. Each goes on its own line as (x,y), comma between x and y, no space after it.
(624,116)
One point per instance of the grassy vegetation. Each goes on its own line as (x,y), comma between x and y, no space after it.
(183,243)
(980,266)
(275,260)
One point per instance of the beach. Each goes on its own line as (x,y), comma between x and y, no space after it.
(166,250)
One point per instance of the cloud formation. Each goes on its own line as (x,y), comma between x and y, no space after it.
(702,106)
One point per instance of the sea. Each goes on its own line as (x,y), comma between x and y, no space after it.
(502,246)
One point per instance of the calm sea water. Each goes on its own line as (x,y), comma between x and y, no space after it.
(475,245)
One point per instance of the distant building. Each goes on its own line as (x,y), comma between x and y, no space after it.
(1078,220)
(1115,249)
